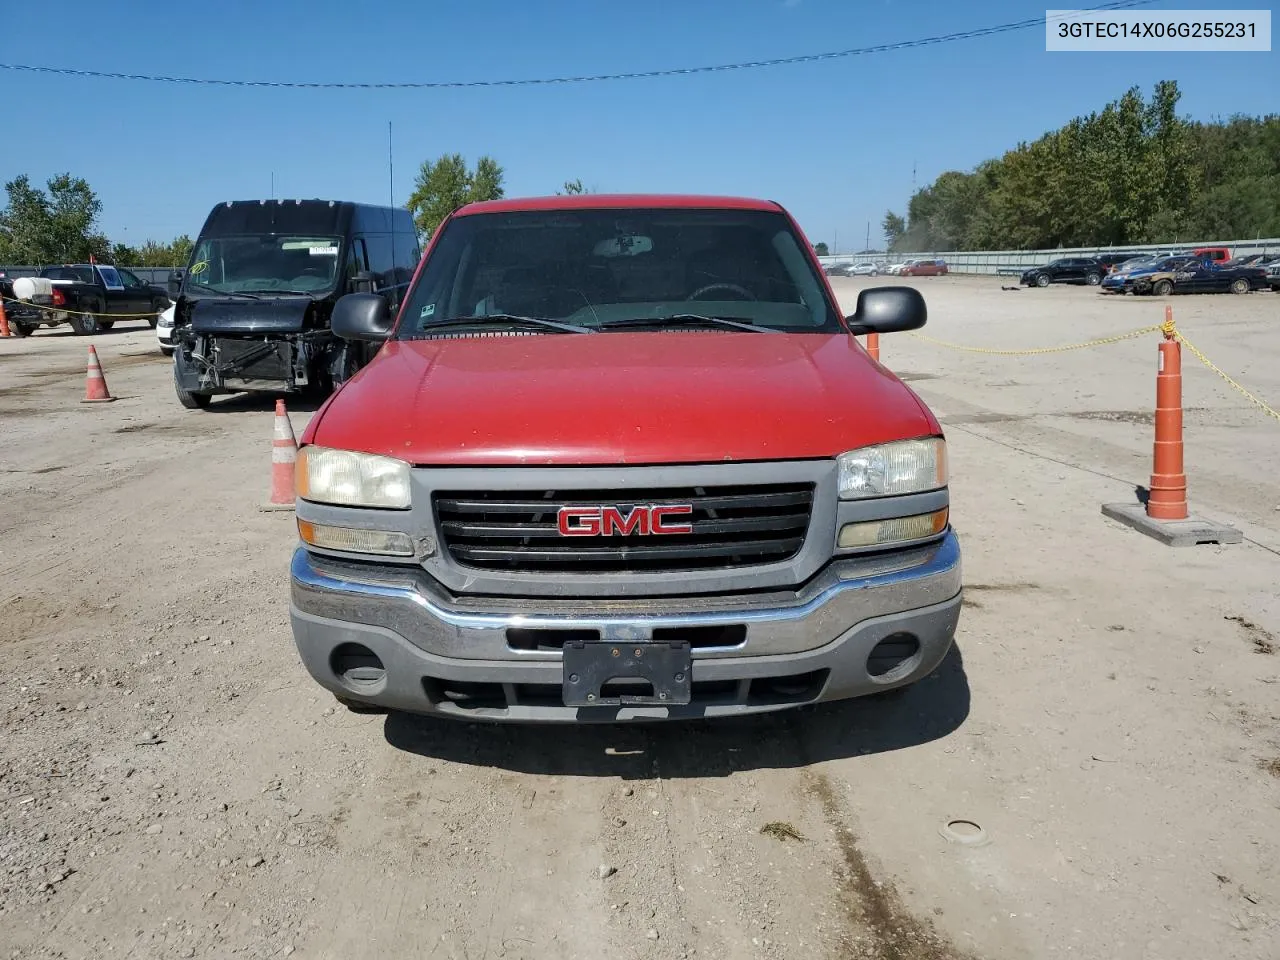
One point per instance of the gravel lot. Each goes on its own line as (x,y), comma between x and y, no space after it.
(173,784)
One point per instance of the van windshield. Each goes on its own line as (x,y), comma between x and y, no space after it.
(596,267)
(267,263)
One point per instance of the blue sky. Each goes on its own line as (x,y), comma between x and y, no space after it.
(833,141)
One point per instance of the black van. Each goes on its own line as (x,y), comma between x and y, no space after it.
(252,307)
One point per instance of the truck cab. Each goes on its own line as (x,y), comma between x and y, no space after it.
(253,305)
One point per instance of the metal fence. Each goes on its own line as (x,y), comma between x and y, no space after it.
(157,275)
(1015,261)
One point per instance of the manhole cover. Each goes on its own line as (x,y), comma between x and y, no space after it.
(964,832)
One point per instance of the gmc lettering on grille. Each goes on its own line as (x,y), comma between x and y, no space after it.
(644,519)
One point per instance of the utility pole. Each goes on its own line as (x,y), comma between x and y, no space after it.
(867,245)
(835,243)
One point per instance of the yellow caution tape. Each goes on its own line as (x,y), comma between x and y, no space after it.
(65,308)
(1024,353)
(1214,367)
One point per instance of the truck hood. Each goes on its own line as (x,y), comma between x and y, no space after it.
(244,316)
(619,398)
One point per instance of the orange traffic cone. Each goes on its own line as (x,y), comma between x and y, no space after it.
(873,345)
(95,384)
(284,454)
(4,322)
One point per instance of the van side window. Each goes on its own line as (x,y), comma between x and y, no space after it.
(357,257)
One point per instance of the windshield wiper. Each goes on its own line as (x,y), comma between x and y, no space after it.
(685,319)
(504,318)
(222,293)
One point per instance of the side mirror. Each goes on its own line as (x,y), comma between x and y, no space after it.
(362,282)
(888,310)
(362,316)
(175,282)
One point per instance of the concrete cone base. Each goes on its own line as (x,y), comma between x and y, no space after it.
(1172,533)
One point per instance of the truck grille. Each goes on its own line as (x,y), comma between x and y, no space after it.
(732,526)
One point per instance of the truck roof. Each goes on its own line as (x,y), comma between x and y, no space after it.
(606,201)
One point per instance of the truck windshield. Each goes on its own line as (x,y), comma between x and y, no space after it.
(596,267)
(269,263)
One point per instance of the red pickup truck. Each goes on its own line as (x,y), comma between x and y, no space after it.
(621,458)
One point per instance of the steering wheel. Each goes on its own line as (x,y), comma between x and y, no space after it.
(735,288)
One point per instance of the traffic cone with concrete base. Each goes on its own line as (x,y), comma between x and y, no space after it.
(284,454)
(95,384)
(1165,515)
(873,346)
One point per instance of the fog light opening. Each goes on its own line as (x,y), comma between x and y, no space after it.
(358,668)
(894,657)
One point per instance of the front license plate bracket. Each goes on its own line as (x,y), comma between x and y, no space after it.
(591,665)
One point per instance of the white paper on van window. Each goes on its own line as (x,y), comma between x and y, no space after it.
(323,251)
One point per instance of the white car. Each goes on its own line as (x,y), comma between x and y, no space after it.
(164,330)
(896,268)
(864,269)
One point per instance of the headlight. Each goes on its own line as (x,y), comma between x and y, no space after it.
(351,479)
(385,542)
(892,469)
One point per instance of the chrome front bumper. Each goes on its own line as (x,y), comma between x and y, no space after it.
(422,636)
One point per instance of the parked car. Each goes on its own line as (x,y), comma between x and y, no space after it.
(1136,276)
(523,436)
(1198,276)
(865,268)
(91,297)
(1064,270)
(925,268)
(25,301)
(1114,282)
(1272,271)
(896,269)
(1213,254)
(164,330)
(1109,261)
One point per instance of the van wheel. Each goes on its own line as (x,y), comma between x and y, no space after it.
(1240,286)
(1042,280)
(190,398)
(1162,288)
(85,324)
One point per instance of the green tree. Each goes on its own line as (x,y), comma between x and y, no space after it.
(50,227)
(893,227)
(123,255)
(445,184)
(571,188)
(821,249)
(1133,172)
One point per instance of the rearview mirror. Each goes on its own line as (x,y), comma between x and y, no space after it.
(888,310)
(175,283)
(362,316)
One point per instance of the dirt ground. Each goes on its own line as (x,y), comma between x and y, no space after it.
(173,784)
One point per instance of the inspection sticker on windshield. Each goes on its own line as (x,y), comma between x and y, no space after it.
(323,251)
(428,311)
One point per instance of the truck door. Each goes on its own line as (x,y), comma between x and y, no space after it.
(117,297)
(138,293)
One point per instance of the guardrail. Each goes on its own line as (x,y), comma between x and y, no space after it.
(1005,262)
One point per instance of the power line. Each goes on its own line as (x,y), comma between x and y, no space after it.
(588,78)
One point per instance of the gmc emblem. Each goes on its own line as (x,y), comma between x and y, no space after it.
(645,519)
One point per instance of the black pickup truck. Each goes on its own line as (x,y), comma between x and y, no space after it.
(91,297)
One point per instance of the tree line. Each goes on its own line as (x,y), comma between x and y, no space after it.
(1135,172)
(59,224)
